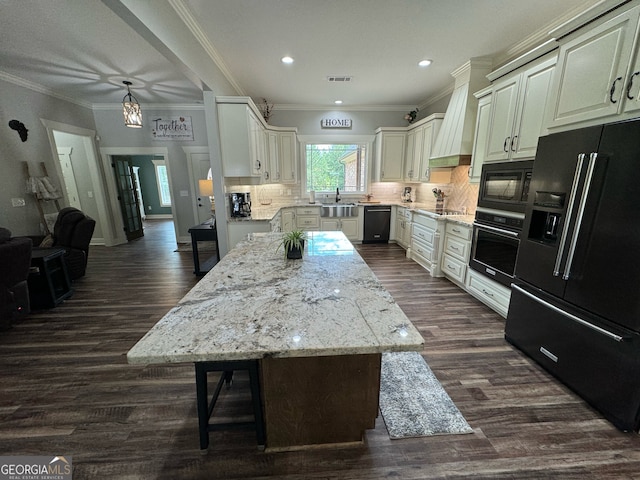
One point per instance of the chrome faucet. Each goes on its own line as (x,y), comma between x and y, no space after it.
(337,195)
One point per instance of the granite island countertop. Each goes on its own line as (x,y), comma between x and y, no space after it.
(256,304)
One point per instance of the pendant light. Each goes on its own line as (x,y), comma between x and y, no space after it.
(131,109)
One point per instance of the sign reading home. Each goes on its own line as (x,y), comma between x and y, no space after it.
(335,122)
(172,128)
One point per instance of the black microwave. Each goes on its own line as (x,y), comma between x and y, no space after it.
(505,185)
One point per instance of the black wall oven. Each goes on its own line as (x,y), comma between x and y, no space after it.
(496,238)
(502,198)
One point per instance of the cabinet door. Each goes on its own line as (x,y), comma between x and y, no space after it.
(329,224)
(349,227)
(534,87)
(429,134)
(392,156)
(503,111)
(288,221)
(257,148)
(413,155)
(288,158)
(272,170)
(589,82)
(481,137)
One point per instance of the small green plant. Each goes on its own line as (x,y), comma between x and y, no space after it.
(293,243)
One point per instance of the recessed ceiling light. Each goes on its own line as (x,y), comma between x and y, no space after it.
(424,63)
(287,60)
(338,102)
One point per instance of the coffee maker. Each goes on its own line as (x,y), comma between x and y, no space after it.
(240,204)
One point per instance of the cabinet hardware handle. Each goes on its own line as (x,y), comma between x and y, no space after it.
(513,143)
(455,230)
(613,89)
(488,294)
(450,267)
(504,145)
(454,248)
(630,85)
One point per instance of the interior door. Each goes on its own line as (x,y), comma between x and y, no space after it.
(200,170)
(129,206)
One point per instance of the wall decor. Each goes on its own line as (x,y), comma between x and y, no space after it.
(19,127)
(335,122)
(172,128)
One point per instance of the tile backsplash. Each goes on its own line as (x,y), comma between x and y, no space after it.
(459,193)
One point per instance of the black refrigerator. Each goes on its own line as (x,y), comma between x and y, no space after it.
(575,299)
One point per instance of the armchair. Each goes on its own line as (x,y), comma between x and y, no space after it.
(15,261)
(72,231)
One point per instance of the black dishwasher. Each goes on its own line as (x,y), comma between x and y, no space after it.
(377,223)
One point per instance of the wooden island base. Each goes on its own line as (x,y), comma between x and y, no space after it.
(319,400)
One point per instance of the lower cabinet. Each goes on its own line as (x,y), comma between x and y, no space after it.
(425,245)
(403,227)
(457,247)
(489,292)
(348,225)
(307,218)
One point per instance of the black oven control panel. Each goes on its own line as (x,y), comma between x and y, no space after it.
(505,221)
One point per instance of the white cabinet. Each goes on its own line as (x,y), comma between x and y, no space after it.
(490,293)
(242,141)
(596,71)
(347,225)
(457,247)
(481,134)
(517,111)
(288,220)
(287,157)
(420,139)
(425,245)
(389,154)
(272,168)
(403,227)
(307,218)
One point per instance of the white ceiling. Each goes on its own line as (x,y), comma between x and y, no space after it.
(81,49)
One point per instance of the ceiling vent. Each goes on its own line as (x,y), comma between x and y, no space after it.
(340,78)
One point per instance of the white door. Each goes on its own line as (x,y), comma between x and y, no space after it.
(200,169)
(64,154)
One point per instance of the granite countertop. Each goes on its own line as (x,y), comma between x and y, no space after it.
(267,212)
(256,304)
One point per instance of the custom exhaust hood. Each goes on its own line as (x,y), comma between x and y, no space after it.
(454,143)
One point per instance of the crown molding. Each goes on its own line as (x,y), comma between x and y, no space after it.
(343,108)
(36,87)
(151,106)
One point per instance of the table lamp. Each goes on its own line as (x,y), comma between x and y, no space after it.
(205,189)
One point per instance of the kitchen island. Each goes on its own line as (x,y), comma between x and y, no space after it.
(316,327)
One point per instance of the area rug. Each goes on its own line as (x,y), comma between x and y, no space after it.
(412,401)
(205,246)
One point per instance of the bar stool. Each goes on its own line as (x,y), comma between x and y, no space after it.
(205,408)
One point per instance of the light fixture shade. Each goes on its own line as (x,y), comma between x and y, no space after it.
(132,114)
(131,109)
(205,187)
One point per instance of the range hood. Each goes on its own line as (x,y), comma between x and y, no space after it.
(454,143)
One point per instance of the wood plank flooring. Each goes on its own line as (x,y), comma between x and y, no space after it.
(67,389)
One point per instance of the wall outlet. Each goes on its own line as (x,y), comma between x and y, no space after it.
(17,202)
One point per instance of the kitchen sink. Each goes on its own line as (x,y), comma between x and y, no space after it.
(339,210)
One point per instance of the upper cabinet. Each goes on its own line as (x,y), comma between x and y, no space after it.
(481,134)
(389,154)
(597,71)
(250,148)
(420,140)
(517,111)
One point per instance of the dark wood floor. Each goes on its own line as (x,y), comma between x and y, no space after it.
(67,389)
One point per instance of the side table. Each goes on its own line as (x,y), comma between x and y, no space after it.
(206,231)
(48,281)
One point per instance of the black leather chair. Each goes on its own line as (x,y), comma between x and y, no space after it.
(73,231)
(15,261)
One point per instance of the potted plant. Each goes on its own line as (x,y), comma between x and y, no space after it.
(293,243)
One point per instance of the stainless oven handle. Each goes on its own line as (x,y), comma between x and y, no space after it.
(497,230)
(583,202)
(568,315)
(567,220)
